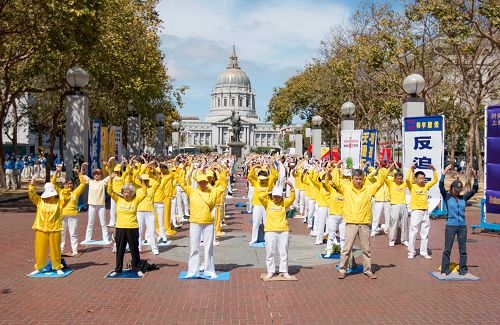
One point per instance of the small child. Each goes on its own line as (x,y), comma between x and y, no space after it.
(276,228)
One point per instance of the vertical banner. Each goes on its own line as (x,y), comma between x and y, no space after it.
(118,142)
(112,143)
(368,146)
(94,146)
(423,144)
(350,150)
(385,154)
(104,143)
(492,161)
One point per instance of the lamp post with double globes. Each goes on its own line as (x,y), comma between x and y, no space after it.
(298,140)
(175,136)
(77,118)
(413,105)
(133,130)
(316,136)
(160,134)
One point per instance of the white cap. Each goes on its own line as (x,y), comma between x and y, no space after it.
(49,190)
(277,191)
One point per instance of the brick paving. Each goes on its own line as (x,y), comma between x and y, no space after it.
(403,293)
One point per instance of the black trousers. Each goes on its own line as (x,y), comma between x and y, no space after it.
(449,237)
(123,237)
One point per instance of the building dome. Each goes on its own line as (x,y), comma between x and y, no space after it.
(233,75)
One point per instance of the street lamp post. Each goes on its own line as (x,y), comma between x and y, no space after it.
(413,105)
(175,135)
(77,118)
(316,136)
(133,130)
(298,140)
(347,110)
(160,134)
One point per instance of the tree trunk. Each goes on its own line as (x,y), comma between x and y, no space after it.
(14,128)
(61,144)
(469,153)
(39,138)
(479,147)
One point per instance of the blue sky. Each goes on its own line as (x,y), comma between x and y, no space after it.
(274,40)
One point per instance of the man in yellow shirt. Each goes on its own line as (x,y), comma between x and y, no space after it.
(399,212)
(146,215)
(276,229)
(419,206)
(357,216)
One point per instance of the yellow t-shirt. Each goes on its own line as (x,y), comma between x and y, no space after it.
(48,216)
(126,211)
(147,203)
(261,188)
(70,206)
(418,194)
(397,191)
(276,214)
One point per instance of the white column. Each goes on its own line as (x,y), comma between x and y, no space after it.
(298,144)
(77,128)
(316,143)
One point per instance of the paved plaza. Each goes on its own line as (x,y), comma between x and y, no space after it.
(404,293)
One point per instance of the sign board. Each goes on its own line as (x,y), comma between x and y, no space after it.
(350,147)
(94,146)
(369,146)
(423,143)
(492,161)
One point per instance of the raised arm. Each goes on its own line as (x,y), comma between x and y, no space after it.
(434,178)
(109,188)
(442,190)
(35,198)
(289,200)
(409,177)
(382,174)
(475,187)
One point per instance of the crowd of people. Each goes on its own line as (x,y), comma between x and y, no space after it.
(151,197)
(17,169)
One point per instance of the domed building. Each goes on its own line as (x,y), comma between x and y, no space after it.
(232,92)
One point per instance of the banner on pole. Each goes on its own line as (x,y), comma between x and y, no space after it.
(104,143)
(94,147)
(423,144)
(112,143)
(368,146)
(350,150)
(492,161)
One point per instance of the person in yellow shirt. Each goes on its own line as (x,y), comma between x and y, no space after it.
(381,207)
(262,182)
(335,222)
(169,172)
(159,200)
(322,199)
(127,227)
(202,202)
(276,229)
(399,212)
(47,226)
(118,182)
(69,209)
(357,215)
(419,205)
(146,215)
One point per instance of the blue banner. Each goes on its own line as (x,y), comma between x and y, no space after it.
(94,147)
(492,185)
(423,123)
(369,146)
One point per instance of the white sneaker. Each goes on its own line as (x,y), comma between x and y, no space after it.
(411,256)
(60,272)
(391,244)
(373,234)
(156,252)
(427,256)
(313,233)
(34,272)
(405,243)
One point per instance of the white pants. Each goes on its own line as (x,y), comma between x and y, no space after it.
(70,223)
(320,223)
(159,208)
(250,197)
(335,223)
(173,211)
(302,201)
(399,216)
(419,218)
(146,219)
(380,208)
(182,202)
(276,240)
(306,205)
(196,233)
(258,217)
(311,204)
(112,213)
(10,181)
(100,210)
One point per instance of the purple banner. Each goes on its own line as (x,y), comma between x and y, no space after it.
(492,185)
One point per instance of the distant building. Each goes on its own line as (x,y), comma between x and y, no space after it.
(232,92)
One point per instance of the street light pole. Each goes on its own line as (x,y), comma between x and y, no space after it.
(175,135)
(316,136)
(160,135)
(298,140)
(413,105)
(133,130)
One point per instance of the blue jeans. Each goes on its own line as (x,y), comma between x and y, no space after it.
(449,237)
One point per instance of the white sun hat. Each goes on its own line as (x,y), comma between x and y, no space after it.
(277,191)
(49,190)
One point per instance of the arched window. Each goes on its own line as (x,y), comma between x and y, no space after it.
(218,101)
(240,102)
(225,101)
(233,102)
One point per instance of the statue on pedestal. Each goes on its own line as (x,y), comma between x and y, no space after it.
(235,127)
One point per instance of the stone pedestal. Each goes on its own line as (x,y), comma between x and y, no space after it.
(235,148)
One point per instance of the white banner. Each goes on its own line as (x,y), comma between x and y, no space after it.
(423,143)
(350,147)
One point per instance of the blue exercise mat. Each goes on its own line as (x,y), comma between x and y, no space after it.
(126,274)
(335,256)
(260,244)
(245,212)
(454,276)
(358,269)
(221,276)
(95,242)
(51,274)
(240,205)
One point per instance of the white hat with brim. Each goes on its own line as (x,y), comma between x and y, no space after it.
(262,177)
(49,191)
(277,191)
